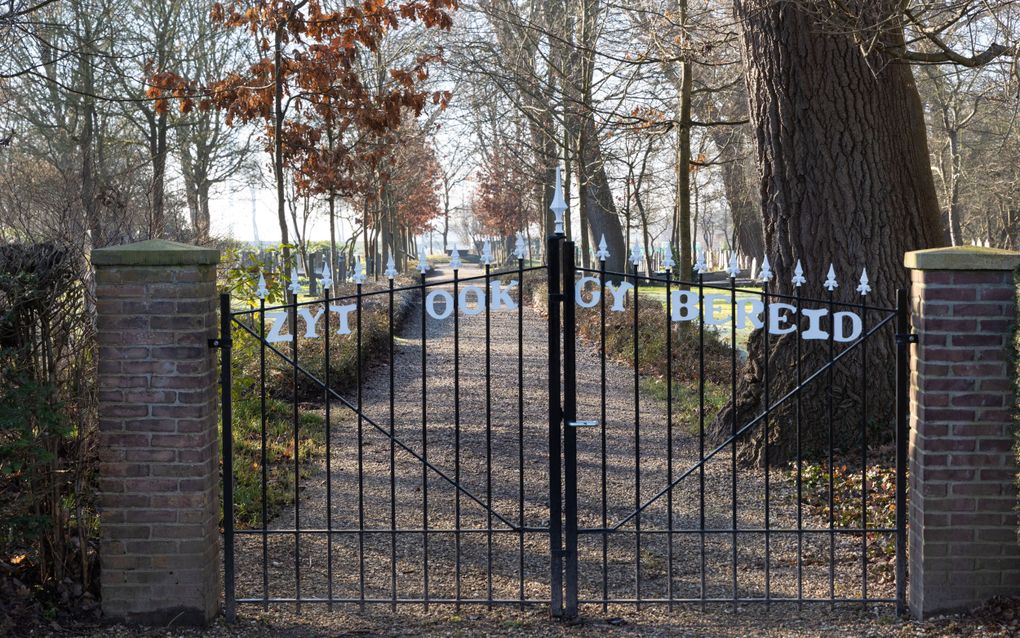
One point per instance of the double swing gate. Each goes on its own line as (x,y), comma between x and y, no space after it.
(509,437)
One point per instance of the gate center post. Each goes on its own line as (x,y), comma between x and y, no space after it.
(554,295)
(569,431)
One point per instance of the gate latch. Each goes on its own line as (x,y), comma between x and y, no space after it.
(589,423)
(910,337)
(219,343)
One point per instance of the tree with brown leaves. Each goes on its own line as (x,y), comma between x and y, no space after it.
(307,82)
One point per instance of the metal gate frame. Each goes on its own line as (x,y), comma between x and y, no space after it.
(564,564)
(563,529)
(252,322)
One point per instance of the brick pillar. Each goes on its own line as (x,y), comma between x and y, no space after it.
(963,497)
(158,473)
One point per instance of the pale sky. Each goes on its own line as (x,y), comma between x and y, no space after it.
(231,214)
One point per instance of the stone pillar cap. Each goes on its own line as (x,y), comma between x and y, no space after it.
(155,252)
(962,258)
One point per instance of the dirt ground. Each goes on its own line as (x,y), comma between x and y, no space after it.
(998,619)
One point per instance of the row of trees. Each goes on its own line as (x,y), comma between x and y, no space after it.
(647,108)
(820,130)
(122,118)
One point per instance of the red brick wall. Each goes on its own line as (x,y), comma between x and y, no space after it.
(159,481)
(963,498)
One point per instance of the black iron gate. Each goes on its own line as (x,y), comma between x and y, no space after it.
(478,470)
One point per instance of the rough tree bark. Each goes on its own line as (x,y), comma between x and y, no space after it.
(278,117)
(682,242)
(737,171)
(601,210)
(158,150)
(845,178)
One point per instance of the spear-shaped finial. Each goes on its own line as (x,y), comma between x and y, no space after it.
(520,246)
(603,252)
(667,257)
(295,285)
(865,286)
(766,273)
(391,268)
(635,253)
(326,276)
(830,279)
(734,266)
(261,291)
(455,258)
(423,258)
(798,275)
(559,203)
(486,257)
(359,272)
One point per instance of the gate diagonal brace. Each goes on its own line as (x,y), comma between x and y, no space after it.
(753,422)
(333,393)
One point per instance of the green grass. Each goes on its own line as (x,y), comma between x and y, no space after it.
(280,447)
(247,430)
(724,331)
(653,344)
(686,400)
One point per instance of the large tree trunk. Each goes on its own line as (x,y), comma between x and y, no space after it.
(682,220)
(954,206)
(204,217)
(190,197)
(157,187)
(333,262)
(278,116)
(739,185)
(845,178)
(602,217)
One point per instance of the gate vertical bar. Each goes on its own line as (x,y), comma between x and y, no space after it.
(359,306)
(424,447)
(902,434)
(552,253)
(262,453)
(327,400)
(830,407)
(226,385)
(296,423)
(864,448)
(456,434)
(637,439)
(520,425)
(393,452)
(669,437)
(602,423)
(569,432)
(488,432)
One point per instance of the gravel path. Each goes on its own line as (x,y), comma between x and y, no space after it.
(492,463)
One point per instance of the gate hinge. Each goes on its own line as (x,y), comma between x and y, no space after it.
(220,343)
(907,338)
